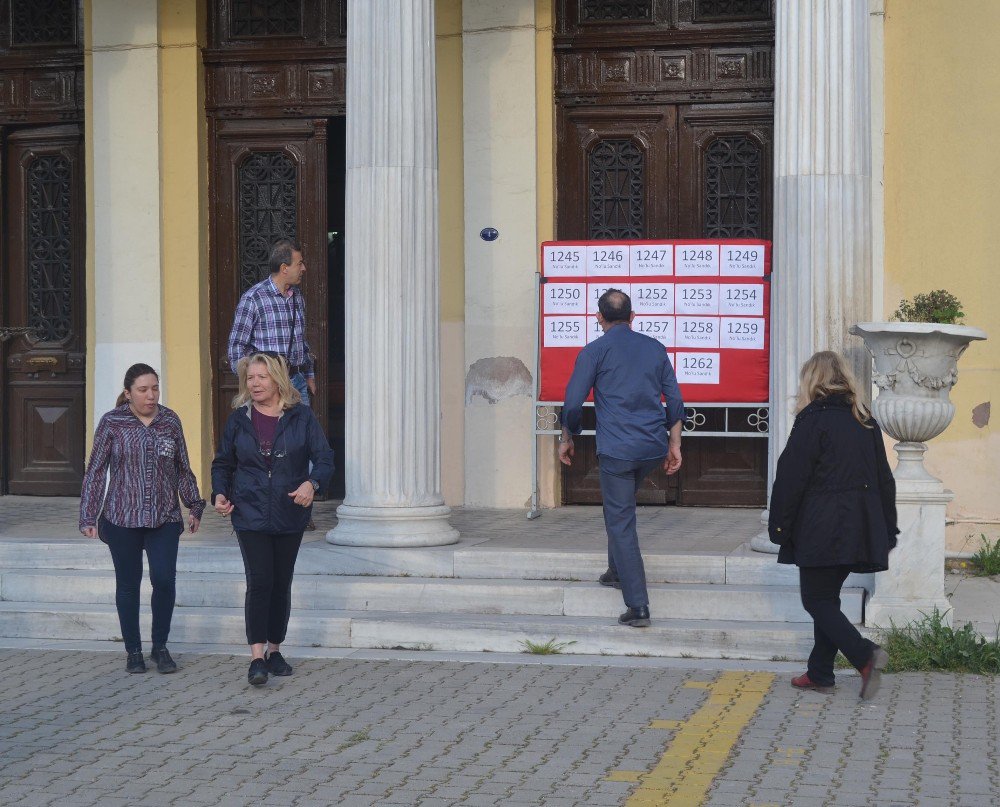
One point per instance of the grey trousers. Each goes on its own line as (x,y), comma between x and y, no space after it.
(620,479)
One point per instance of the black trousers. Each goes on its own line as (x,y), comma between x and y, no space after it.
(269,561)
(820,588)
(126,545)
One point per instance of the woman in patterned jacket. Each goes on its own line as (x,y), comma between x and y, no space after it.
(143,444)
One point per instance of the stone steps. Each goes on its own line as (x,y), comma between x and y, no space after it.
(736,603)
(445,632)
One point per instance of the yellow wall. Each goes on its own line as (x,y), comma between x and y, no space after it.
(942,191)
(451,207)
(184,225)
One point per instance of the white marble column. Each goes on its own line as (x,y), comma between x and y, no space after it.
(822,198)
(392,388)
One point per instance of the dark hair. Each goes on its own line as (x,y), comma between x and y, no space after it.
(615,306)
(281,252)
(131,374)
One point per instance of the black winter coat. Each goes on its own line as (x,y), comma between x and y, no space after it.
(260,494)
(834,498)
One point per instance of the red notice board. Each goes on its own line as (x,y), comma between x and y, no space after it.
(707,301)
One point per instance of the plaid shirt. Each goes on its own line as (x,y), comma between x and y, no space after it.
(149,467)
(263,321)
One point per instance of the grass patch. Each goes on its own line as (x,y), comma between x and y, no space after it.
(929,644)
(354,739)
(549,648)
(987,559)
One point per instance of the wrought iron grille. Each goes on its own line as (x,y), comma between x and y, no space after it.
(731,10)
(49,231)
(733,188)
(267,194)
(594,10)
(251,18)
(616,174)
(43,22)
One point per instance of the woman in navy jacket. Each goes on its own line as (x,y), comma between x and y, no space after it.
(833,512)
(261,476)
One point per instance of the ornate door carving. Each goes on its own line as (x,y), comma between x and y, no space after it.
(268,182)
(44,292)
(665,121)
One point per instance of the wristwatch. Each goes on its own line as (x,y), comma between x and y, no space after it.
(315,485)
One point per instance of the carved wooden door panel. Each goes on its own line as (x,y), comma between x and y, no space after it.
(671,171)
(43,291)
(617,180)
(726,191)
(268,181)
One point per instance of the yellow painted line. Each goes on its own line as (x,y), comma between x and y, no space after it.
(702,743)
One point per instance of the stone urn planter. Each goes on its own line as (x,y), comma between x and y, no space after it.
(916,365)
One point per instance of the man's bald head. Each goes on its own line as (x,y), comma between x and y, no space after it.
(615,306)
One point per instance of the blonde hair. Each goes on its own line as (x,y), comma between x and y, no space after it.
(277,369)
(826,373)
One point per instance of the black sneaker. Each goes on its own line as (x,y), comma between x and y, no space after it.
(164,663)
(610,579)
(135,663)
(276,664)
(257,676)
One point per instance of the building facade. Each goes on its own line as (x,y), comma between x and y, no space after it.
(151,151)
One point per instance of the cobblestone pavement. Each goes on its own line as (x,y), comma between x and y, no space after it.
(77,730)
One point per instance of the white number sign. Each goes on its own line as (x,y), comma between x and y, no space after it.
(607,261)
(565,331)
(565,298)
(697,368)
(696,298)
(697,332)
(564,261)
(696,259)
(744,333)
(652,298)
(659,328)
(746,300)
(651,259)
(746,261)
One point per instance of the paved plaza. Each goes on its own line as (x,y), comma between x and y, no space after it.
(426,730)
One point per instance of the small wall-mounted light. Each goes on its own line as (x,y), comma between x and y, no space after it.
(489,234)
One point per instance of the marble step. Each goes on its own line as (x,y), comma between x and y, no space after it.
(448,632)
(464,560)
(446,595)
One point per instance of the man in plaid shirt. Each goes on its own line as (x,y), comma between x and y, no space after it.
(271,317)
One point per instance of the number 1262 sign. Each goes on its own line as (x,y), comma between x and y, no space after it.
(707,302)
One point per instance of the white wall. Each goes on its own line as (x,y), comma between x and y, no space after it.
(500,192)
(123,140)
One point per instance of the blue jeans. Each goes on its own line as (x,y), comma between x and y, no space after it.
(126,545)
(620,479)
(299,382)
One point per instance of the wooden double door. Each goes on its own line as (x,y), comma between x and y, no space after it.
(683,170)
(42,325)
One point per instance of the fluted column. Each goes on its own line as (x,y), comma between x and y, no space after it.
(392,398)
(822,197)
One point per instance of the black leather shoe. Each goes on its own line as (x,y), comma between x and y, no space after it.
(135,663)
(257,676)
(610,579)
(276,664)
(637,617)
(164,663)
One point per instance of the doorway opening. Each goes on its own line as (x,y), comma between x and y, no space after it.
(336,176)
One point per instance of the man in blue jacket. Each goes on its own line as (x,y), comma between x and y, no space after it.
(629,372)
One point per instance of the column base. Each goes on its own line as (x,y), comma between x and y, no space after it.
(884,612)
(392,526)
(761,542)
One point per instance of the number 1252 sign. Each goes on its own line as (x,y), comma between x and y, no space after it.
(706,301)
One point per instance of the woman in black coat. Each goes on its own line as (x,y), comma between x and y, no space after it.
(261,476)
(833,512)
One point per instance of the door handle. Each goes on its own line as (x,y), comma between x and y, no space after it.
(42,361)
